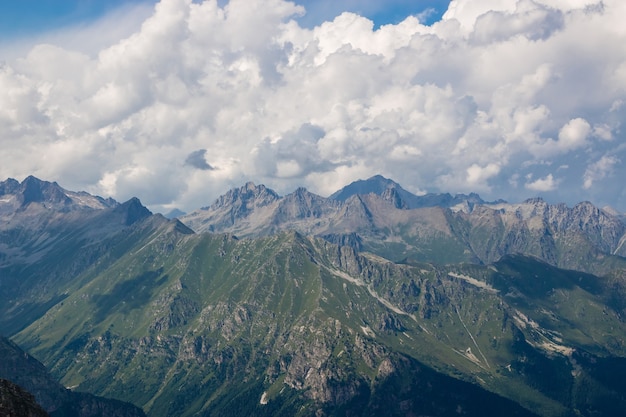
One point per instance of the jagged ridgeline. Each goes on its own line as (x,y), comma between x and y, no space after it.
(198,324)
(379,216)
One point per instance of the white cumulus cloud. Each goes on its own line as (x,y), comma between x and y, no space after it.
(201,96)
(545,184)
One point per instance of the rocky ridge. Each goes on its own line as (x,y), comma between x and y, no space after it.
(389,222)
(37,232)
(15,195)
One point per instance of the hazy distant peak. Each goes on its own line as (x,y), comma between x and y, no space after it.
(14,195)
(376,184)
(257,195)
(534,200)
(401,198)
(174,213)
(610,210)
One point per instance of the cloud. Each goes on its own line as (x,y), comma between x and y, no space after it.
(599,170)
(543,184)
(493,92)
(528,20)
(197,160)
(477,175)
(574,134)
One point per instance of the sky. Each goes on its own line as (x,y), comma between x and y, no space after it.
(177,101)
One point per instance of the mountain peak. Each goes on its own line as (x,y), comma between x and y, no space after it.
(249,186)
(535,201)
(34,190)
(402,198)
(376,184)
(132,211)
(249,194)
(49,195)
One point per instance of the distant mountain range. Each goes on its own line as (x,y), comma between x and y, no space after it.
(382,186)
(379,216)
(373,301)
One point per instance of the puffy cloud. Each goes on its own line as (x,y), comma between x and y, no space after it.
(574,134)
(543,184)
(599,170)
(477,175)
(491,94)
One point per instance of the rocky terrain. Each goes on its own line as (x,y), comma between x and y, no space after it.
(304,305)
(402,227)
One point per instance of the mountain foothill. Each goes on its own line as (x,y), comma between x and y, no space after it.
(370,302)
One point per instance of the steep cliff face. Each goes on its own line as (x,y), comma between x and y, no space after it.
(16,402)
(580,237)
(235,209)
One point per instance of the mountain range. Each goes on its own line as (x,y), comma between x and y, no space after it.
(373,301)
(379,216)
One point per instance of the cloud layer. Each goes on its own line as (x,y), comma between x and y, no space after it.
(511,102)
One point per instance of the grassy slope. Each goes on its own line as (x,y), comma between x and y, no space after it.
(187,324)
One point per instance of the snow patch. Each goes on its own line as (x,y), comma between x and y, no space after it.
(264,399)
(474,282)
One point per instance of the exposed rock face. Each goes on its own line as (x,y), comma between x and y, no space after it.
(16,402)
(384,187)
(244,199)
(131,211)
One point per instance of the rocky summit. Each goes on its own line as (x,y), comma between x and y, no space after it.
(364,303)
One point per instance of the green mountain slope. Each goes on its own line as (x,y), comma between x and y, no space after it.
(43,250)
(185,325)
(125,304)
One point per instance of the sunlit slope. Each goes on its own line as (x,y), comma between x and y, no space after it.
(206,324)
